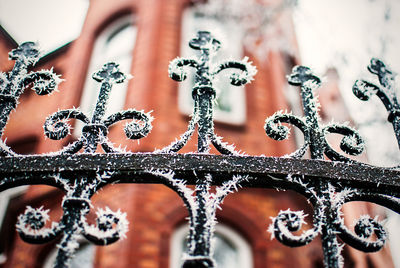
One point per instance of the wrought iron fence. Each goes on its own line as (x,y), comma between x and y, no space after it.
(328,185)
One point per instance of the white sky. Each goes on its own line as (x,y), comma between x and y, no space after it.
(329,31)
(346,34)
(51,23)
(353,28)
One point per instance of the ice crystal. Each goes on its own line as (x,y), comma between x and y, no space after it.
(32,222)
(292,220)
(106,219)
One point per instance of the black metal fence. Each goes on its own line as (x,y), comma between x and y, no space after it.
(328,185)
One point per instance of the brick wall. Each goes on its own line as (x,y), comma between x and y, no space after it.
(154,211)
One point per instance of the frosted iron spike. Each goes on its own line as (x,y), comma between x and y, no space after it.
(386,92)
(13,83)
(203,91)
(95,130)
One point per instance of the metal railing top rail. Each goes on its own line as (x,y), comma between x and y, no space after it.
(328,185)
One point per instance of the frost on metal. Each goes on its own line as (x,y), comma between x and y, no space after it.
(204,93)
(327,199)
(369,234)
(13,83)
(314,134)
(386,92)
(31,225)
(287,222)
(202,203)
(95,130)
(103,233)
(201,180)
(110,226)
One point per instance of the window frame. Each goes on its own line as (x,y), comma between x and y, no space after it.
(51,257)
(5,198)
(244,248)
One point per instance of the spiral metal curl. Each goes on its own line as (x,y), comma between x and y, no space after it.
(364,90)
(365,228)
(31,226)
(95,129)
(287,222)
(56,126)
(133,130)
(274,129)
(110,227)
(291,221)
(315,136)
(238,79)
(44,82)
(176,68)
(352,143)
(13,83)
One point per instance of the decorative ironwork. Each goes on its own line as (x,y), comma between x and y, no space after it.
(364,89)
(314,134)
(12,84)
(328,185)
(201,202)
(96,129)
(204,93)
(319,193)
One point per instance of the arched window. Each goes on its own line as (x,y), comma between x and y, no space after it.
(115,43)
(83,257)
(230,248)
(231,103)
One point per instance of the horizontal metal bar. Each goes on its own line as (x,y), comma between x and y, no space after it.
(186,164)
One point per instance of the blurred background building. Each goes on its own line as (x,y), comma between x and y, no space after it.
(143,36)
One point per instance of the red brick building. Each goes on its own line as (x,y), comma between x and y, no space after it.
(155,213)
